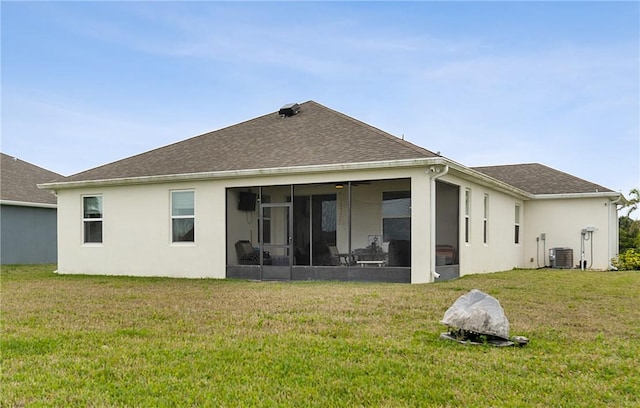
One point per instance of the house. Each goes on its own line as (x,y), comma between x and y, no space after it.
(27,213)
(306,192)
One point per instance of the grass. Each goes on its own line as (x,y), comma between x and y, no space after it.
(118,341)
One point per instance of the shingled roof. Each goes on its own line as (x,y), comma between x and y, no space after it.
(316,135)
(536,178)
(19,181)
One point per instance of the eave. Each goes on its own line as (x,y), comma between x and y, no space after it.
(244,173)
(488,181)
(563,196)
(457,169)
(27,204)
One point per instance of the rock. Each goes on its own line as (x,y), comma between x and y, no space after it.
(478,313)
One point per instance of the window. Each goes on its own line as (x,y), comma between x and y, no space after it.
(323,220)
(329,215)
(266,220)
(92,219)
(485,220)
(396,215)
(517,224)
(467,215)
(182,216)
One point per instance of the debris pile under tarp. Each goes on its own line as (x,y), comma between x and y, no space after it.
(478,318)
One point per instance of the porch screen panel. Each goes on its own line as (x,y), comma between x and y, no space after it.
(396,215)
(323,227)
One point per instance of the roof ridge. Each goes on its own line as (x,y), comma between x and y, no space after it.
(379,131)
(197,136)
(509,165)
(571,175)
(12,157)
(19,181)
(316,135)
(525,178)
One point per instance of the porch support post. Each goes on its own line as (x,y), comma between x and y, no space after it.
(434,172)
(420,227)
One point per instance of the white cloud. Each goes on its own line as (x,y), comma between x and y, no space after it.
(467,95)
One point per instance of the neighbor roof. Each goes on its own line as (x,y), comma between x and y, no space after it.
(19,181)
(536,178)
(316,135)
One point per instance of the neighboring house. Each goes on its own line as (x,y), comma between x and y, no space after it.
(310,193)
(27,213)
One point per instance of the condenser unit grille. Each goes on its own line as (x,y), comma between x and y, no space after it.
(561,258)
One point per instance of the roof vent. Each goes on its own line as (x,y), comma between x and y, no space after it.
(289,109)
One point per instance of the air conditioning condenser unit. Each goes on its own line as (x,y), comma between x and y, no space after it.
(561,258)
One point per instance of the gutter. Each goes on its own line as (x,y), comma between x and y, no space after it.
(595,194)
(27,204)
(461,170)
(230,174)
(474,175)
(488,181)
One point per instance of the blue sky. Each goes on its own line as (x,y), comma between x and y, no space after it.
(484,83)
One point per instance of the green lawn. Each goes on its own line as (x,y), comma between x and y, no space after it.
(118,341)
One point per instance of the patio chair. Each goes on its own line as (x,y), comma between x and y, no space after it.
(246,254)
(337,258)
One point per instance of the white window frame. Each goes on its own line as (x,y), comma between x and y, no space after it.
(485,220)
(85,220)
(176,217)
(467,216)
(516,232)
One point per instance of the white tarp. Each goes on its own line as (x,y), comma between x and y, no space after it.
(479,313)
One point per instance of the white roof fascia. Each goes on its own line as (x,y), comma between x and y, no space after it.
(27,204)
(489,181)
(244,173)
(464,171)
(601,194)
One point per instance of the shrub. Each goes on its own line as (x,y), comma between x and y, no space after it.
(628,260)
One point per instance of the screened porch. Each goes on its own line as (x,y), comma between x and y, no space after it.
(339,231)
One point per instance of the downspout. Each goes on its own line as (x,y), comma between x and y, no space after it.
(349,198)
(434,172)
(614,232)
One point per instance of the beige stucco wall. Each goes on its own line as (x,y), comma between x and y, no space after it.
(500,252)
(136,233)
(562,220)
(136,225)
(136,228)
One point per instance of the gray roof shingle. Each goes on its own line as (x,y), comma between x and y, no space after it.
(316,135)
(19,181)
(536,178)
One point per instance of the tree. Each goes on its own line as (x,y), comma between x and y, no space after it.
(632,203)
(629,229)
(629,235)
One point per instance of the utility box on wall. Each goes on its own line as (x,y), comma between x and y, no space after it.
(561,258)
